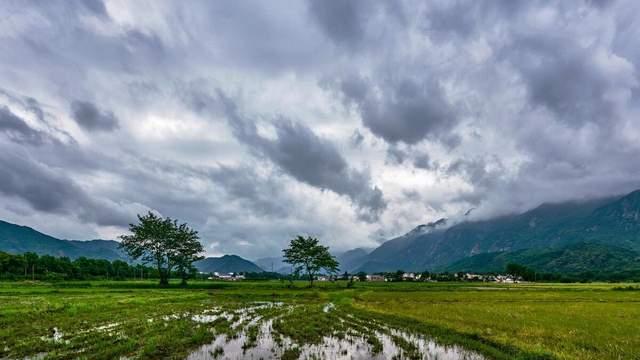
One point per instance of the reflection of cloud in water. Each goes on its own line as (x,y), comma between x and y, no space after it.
(354,345)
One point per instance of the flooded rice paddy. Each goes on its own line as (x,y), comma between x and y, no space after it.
(272,330)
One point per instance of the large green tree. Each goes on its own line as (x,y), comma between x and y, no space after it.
(307,255)
(162,242)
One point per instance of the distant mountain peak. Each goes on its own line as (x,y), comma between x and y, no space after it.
(18,239)
(427,228)
(226,264)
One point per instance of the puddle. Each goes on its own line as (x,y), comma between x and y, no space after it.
(38,356)
(347,348)
(55,336)
(255,331)
(352,345)
(106,327)
(328,307)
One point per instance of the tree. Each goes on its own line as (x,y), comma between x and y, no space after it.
(162,242)
(425,276)
(397,276)
(188,250)
(31,259)
(308,255)
(520,271)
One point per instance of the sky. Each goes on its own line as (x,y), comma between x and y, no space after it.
(353,121)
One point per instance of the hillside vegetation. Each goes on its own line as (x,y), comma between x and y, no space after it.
(590,260)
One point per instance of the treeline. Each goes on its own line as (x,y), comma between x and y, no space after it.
(518,271)
(529,274)
(46,267)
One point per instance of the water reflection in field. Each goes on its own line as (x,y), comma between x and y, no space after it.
(265,343)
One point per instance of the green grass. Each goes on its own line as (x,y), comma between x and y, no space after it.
(562,321)
(104,320)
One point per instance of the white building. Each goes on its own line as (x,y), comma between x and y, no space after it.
(408,276)
(375,278)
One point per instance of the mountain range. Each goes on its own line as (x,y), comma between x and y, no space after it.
(16,239)
(577,236)
(613,223)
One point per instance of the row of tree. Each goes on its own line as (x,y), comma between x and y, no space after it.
(46,267)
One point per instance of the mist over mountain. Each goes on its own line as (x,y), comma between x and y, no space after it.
(613,222)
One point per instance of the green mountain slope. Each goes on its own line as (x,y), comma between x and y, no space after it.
(16,239)
(571,259)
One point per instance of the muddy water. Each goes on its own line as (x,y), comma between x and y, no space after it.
(353,346)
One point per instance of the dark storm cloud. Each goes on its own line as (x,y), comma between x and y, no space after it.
(50,192)
(17,129)
(423,161)
(475,170)
(341,20)
(567,79)
(264,196)
(458,20)
(27,103)
(357,25)
(309,158)
(400,109)
(395,155)
(89,117)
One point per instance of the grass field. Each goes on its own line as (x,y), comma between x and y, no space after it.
(105,320)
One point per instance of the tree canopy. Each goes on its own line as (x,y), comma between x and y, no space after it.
(307,255)
(46,267)
(164,243)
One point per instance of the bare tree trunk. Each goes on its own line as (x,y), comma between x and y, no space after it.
(310,278)
(163,276)
(164,279)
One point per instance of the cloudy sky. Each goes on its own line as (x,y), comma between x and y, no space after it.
(350,120)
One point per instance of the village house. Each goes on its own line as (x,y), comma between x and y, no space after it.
(473,277)
(507,279)
(408,276)
(226,277)
(374,277)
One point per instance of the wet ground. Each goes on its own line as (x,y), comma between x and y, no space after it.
(276,330)
(250,334)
